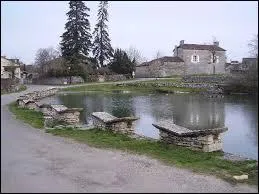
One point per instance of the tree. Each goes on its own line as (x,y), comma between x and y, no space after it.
(121,63)
(133,53)
(253,46)
(102,49)
(76,40)
(158,54)
(44,55)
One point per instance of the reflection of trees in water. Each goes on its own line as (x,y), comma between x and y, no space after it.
(189,111)
(122,106)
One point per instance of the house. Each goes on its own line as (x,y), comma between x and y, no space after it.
(161,67)
(247,64)
(186,59)
(201,58)
(10,68)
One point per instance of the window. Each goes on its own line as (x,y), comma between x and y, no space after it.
(217,59)
(195,58)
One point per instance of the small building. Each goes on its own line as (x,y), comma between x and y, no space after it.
(10,68)
(235,67)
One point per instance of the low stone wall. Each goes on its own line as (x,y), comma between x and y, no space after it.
(207,143)
(51,112)
(10,85)
(59,80)
(104,120)
(205,79)
(103,78)
(207,140)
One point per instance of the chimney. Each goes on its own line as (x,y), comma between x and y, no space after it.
(181,42)
(216,43)
(175,51)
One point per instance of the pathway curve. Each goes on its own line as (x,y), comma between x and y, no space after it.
(34,161)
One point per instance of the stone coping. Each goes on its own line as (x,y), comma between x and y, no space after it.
(177,130)
(108,118)
(26,101)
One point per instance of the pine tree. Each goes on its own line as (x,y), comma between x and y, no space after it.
(121,63)
(76,40)
(102,49)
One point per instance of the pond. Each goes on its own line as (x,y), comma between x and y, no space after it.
(239,113)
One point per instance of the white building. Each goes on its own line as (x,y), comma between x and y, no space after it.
(9,67)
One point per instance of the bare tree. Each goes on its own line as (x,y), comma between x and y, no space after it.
(44,55)
(253,46)
(158,54)
(134,53)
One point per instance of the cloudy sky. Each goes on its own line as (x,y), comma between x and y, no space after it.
(148,26)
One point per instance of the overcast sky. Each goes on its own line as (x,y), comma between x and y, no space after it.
(147,26)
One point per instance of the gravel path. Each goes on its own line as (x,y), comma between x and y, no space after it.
(34,161)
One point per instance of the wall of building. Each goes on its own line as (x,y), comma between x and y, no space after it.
(204,65)
(160,69)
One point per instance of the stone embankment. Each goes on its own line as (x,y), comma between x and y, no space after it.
(104,120)
(52,113)
(207,140)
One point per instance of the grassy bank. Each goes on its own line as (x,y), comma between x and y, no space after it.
(31,117)
(208,163)
(141,86)
(22,88)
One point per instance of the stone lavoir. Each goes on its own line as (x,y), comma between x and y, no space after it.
(207,140)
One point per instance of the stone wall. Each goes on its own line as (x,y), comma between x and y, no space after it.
(59,80)
(207,143)
(160,69)
(219,79)
(10,85)
(104,120)
(204,65)
(102,78)
(50,112)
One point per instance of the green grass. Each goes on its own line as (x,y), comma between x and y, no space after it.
(207,163)
(31,117)
(22,88)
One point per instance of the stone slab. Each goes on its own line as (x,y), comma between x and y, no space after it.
(104,116)
(169,126)
(59,108)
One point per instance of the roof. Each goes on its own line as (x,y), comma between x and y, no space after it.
(163,59)
(201,47)
(8,62)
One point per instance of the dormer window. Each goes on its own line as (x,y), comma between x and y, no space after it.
(195,58)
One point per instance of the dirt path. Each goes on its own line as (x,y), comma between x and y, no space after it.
(34,161)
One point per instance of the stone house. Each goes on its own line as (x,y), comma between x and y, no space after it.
(186,59)
(235,67)
(201,58)
(10,68)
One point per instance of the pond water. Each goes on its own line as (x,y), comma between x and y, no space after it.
(239,113)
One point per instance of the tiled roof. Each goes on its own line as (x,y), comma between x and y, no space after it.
(163,59)
(201,47)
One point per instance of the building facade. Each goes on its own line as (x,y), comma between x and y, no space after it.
(10,68)
(201,58)
(187,59)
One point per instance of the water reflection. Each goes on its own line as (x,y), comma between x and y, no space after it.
(238,113)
